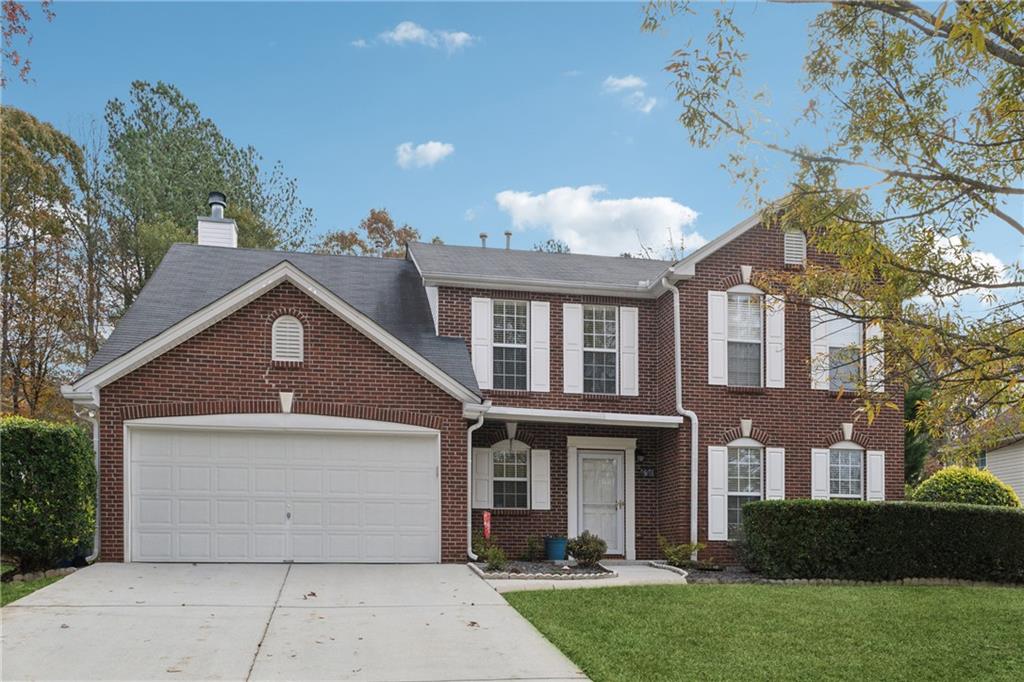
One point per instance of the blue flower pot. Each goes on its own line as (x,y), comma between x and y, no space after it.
(554,548)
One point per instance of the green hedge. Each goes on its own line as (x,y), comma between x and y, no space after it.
(856,540)
(967,485)
(47,491)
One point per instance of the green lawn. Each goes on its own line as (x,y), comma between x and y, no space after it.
(730,632)
(13,591)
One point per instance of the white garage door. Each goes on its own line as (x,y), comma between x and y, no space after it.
(268,496)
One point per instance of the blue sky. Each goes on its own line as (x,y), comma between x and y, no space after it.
(552,120)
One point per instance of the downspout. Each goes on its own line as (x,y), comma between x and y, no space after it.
(469,480)
(90,416)
(689,414)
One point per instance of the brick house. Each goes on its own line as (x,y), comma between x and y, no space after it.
(270,406)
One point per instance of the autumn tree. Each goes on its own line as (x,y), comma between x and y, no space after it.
(16,18)
(552,246)
(376,235)
(41,169)
(163,158)
(921,116)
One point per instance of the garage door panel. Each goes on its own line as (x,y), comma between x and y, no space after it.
(265,496)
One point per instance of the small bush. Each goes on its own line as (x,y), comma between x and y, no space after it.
(47,491)
(494,558)
(966,485)
(587,549)
(534,549)
(856,540)
(679,555)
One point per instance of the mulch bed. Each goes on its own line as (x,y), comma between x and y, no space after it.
(729,574)
(541,569)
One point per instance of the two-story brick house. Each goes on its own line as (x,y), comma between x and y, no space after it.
(269,406)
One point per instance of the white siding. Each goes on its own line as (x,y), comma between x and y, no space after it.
(1008,466)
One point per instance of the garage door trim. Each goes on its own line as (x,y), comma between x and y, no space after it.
(271,422)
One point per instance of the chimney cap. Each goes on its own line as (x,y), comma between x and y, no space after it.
(217,198)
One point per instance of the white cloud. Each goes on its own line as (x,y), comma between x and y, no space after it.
(408,155)
(634,92)
(359,42)
(469,215)
(956,249)
(572,73)
(590,224)
(411,33)
(620,83)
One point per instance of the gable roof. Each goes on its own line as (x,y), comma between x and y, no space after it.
(519,269)
(388,292)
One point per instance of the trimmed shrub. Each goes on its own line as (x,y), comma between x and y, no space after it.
(856,540)
(586,548)
(47,491)
(967,485)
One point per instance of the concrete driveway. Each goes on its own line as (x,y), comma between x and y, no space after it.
(262,622)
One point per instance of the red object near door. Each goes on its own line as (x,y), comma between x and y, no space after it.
(487,525)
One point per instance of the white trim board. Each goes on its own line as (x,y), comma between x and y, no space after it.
(626,445)
(245,294)
(528,414)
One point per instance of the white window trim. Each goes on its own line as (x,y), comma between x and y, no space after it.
(614,351)
(524,346)
(742,443)
(628,445)
(752,291)
(276,353)
(516,446)
(848,445)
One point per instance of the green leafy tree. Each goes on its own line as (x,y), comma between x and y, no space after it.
(552,246)
(917,442)
(919,109)
(376,235)
(164,157)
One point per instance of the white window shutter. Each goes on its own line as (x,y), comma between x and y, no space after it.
(629,351)
(482,487)
(540,479)
(540,346)
(718,490)
(775,473)
(482,334)
(572,347)
(875,474)
(775,342)
(819,349)
(718,319)
(874,363)
(819,473)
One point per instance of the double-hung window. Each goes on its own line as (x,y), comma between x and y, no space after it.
(511,338)
(511,477)
(746,482)
(845,344)
(600,349)
(745,339)
(846,473)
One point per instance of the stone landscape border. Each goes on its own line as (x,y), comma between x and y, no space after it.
(51,573)
(505,575)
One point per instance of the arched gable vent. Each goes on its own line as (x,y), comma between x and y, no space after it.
(287,344)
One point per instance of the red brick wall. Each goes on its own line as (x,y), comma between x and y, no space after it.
(227,368)
(796,417)
(454,320)
(511,527)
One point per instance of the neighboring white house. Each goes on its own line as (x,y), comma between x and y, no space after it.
(1007,464)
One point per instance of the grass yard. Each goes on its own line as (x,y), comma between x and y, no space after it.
(13,591)
(727,632)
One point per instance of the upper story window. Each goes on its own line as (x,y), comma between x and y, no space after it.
(745,339)
(794,247)
(511,342)
(745,480)
(600,349)
(287,340)
(845,349)
(846,472)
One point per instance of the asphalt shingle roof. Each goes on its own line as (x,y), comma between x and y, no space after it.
(387,290)
(439,260)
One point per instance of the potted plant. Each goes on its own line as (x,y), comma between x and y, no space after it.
(554,547)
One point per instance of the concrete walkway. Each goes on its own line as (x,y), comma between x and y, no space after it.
(639,573)
(266,622)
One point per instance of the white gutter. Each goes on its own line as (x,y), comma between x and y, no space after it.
(469,479)
(692,416)
(90,416)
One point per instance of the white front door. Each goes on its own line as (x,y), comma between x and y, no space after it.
(602,497)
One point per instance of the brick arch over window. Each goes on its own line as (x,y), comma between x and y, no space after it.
(762,436)
(492,434)
(837,436)
(323,409)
